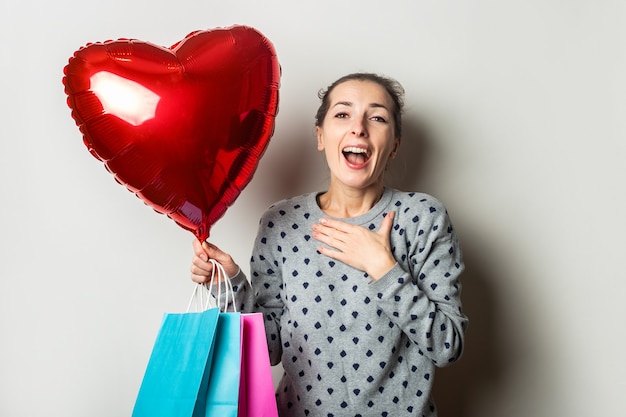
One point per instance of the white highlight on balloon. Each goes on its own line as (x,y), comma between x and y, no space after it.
(124,98)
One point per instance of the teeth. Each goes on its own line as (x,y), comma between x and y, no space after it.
(353,149)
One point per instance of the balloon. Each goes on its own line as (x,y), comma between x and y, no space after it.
(182,127)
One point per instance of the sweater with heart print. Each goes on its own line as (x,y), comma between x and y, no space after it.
(351,346)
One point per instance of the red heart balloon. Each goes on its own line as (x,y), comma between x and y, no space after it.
(182,127)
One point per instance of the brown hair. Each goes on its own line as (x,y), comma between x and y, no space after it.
(393,88)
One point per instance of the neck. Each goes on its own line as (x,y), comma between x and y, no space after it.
(345,202)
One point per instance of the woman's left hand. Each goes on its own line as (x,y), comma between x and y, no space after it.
(363,249)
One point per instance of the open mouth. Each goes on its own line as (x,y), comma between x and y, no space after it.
(355,155)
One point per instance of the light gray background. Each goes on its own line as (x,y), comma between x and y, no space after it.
(523,102)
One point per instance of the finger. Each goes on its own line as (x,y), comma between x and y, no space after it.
(223,258)
(199,251)
(199,279)
(336,224)
(387,224)
(331,253)
(328,236)
(333,232)
(333,244)
(200,266)
(212,251)
(201,271)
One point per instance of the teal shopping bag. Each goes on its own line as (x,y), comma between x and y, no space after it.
(176,379)
(223,390)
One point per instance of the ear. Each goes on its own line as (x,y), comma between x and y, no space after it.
(319,132)
(396,146)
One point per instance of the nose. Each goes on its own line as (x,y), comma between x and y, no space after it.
(358,127)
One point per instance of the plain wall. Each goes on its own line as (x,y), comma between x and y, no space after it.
(515,120)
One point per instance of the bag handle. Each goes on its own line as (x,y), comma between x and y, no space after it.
(203,290)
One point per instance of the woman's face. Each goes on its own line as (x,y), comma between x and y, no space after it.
(357,134)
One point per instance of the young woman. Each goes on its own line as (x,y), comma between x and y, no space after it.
(359,284)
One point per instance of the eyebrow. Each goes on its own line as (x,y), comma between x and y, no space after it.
(349,103)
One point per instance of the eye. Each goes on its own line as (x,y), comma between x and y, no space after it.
(341,115)
(379,119)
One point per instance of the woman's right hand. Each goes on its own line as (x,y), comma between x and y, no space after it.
(202,269)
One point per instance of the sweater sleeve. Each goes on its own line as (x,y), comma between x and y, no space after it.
(242,294)
(422,295)
(267,285)
(262,295)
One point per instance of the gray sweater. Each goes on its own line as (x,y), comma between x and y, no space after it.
(351,346)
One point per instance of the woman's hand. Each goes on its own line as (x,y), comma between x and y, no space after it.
(202,269)
(357,246)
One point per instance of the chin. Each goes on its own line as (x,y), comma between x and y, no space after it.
(360,183)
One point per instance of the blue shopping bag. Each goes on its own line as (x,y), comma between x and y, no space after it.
(194,369)
(177,375)
(223,390)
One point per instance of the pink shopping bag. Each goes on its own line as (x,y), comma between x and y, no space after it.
(256,387)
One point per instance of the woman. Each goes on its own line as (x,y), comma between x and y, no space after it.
(358,284)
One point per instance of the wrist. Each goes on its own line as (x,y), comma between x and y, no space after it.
(382,268)
(233,271)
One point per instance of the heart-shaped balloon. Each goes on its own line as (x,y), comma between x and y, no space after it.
(182,127)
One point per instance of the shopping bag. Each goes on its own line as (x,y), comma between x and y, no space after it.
(176,381)
(223,388)
(256,388)
(222,395)
(176,377)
